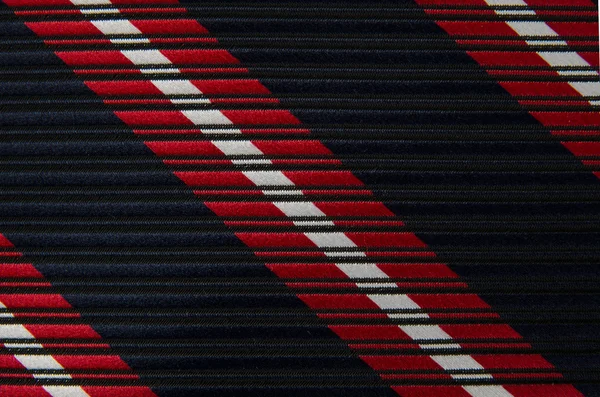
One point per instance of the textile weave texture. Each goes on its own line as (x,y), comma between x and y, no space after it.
(299,198)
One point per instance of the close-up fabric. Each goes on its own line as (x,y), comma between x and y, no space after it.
(355,198)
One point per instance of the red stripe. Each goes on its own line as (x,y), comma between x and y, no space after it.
(536,88)
(91,362)
(492,59)
(316,178)
(512,361)
(62,331)
(120,391)
(244,209)
(79,58)
(480,331)
(134,87)
(8,361)
(507,58)
(292,148)
(477,28)
(238,86)
(26,3)
(5,243)
(253,239)
(431,391)
(260,117)
(421,270)
(354,208)
(385,239)
(213,178)
(203,148)
(63,28)
(34,301)
(437,301)
(183,148)
(155,117)
(401,363)
(554,119)
(19,270)
(23,390)
(583,148)
(578,29)
(200,56)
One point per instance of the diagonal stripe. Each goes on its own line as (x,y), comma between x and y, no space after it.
(40,359)
(565,63)
(326,240)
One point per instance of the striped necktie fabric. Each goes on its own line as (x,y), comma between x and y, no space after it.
(299,198)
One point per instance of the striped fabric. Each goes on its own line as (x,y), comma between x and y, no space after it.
(299,198)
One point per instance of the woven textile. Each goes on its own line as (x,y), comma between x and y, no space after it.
(299,198)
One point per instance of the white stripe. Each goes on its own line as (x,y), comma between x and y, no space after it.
(458,362)
(339,254)
(200,117)
(408,315)
(146,57)
(92,11)
(66,391)
(160,71)
(14,331)
(331,240)
(32,362)
(471,376)
(506,3)
(222,131)
(90,2)
(250,161)
(361,284)
(134,40)
(587,88)
(237,148)
(282,192)
(566,58)
(556,59)
(531,28)
(361,270)
(23,346)
(38,361)
(487,391)
(578,73)
(51,376)
(313,223)
(268,178)
(5,314)
(176,87)
(395,301)
(301,208)
(116,26)
(184,101)
(425,332)
(517,13)
(547,43)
